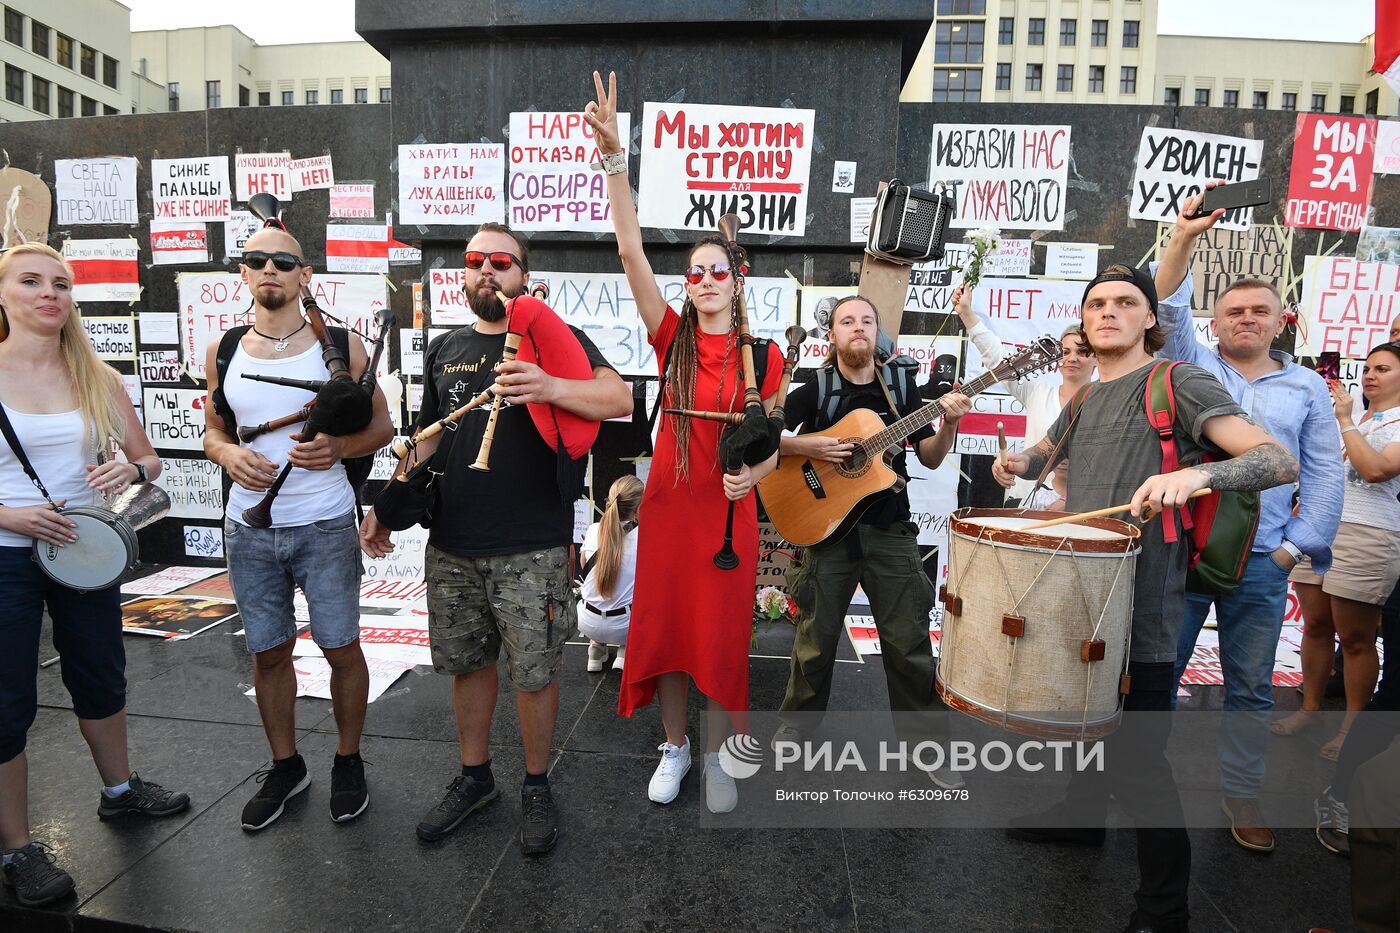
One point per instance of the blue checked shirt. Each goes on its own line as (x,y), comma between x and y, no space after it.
(1293,405)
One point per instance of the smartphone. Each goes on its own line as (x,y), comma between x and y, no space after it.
(1240,194)
(1329,365)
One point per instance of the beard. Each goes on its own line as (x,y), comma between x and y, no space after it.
(273,299)
(856,357)
(484,304)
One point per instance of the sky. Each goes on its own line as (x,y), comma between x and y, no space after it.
(276,22)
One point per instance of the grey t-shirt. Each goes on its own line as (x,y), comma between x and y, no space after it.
(1112,451)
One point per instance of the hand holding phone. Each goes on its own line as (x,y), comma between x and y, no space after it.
(1251,193)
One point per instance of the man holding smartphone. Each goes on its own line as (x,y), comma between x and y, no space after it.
(1292,403)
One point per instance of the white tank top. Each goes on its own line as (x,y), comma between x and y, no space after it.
(59,450)
(308,495)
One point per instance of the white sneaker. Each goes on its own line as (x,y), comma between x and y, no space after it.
(617,661)
(721,793)
(597,657)
(675,762)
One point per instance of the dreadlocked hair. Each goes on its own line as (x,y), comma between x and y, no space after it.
(685,363)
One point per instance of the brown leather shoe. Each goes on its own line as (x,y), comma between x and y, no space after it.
(1247,824)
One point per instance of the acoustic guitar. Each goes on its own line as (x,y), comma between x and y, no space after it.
(809,500)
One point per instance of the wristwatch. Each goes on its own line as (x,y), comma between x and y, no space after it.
(140,472)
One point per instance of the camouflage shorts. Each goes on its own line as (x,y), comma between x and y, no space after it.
(476,604)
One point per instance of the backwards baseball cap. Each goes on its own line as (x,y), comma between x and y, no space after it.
(1140,278)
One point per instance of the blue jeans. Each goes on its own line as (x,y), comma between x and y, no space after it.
(1248,621)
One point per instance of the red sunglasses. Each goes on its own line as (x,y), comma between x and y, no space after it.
(696,273)
(501,262)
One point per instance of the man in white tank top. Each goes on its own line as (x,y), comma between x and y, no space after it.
(313,542)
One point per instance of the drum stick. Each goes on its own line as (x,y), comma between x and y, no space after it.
(1001,445)
(1101,513)
(50,662)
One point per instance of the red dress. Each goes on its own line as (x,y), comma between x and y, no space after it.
(687,614)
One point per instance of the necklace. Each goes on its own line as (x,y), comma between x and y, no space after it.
(280,342)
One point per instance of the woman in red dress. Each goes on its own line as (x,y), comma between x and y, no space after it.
(690,620)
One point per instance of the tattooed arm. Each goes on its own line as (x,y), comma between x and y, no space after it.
(1028,463)
(1258,462)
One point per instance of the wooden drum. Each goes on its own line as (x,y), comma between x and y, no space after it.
(1036,624)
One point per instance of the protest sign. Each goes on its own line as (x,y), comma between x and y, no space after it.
(602,305)
(931,284)
(191,189)
(114,338)
(132,383)
(1072,260)
(1387,159)
(552,184)
(352,200)
(158,327)
(933,494)
(862,209)
(258,172)
(1347,305)
(815,304)
(103,270)
(95,191)
(411,345)
(843,177)
(175,418)
(237,229)
(1172,165)
(1222,256)
(175,617)
(451,183)
(161,366)
(702,161)
(204,541)
(1006,176)
(404,562)
(212,302)
(195,487)
(1020,310)
(178,241)
(314,677)
(357,248)
(447,302)
(168,580)
(1329,185)
(310,174)
(401,254)
(1378,244)
(977,432)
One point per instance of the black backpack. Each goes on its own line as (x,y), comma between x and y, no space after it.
(357,469)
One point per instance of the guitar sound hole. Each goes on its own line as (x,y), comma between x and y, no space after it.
(857,463)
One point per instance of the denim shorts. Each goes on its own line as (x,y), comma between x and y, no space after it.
(266,565)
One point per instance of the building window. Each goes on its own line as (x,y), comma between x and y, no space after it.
(1096,79)
(14,28)
(109,111)
(1232,99)
(1130,33)
(109,71)
(1319,103)
(1128,83)
(14,85)
(962,7)
(1064,78)
(384,95)
(65,52)
(172,93)
(65,102)
(1035,31)
(1033,77)
(1006,31)
(313,97)
(1172,96)
(337,96)
(1098,33)
(245,96)
(87,62)
(954,43)
(1261,100)
(264,98)
(213,94)
(1290,101)
(39,90)
(957,84)
(1348,103)
(1202,97)
(1373,101)
(1003,76)
(361,95)
(1069,29)
(89,107)
(39,38)
(287,98)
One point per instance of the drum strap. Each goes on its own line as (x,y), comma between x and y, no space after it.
(1076,406)
(23,459)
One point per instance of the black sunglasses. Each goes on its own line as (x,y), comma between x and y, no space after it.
(285,262)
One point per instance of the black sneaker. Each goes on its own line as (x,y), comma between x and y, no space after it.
(349,793)
(144,798)
(34,876)
(279,784)
(464,796)
(539,826)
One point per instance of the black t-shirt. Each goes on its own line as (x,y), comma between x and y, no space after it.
(515,506)
(803,417)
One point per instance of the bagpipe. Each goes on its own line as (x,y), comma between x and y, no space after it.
(534,334)
(342,405)
(752,435)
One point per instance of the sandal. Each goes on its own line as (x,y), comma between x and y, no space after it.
(1304,720)
(1333,749)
